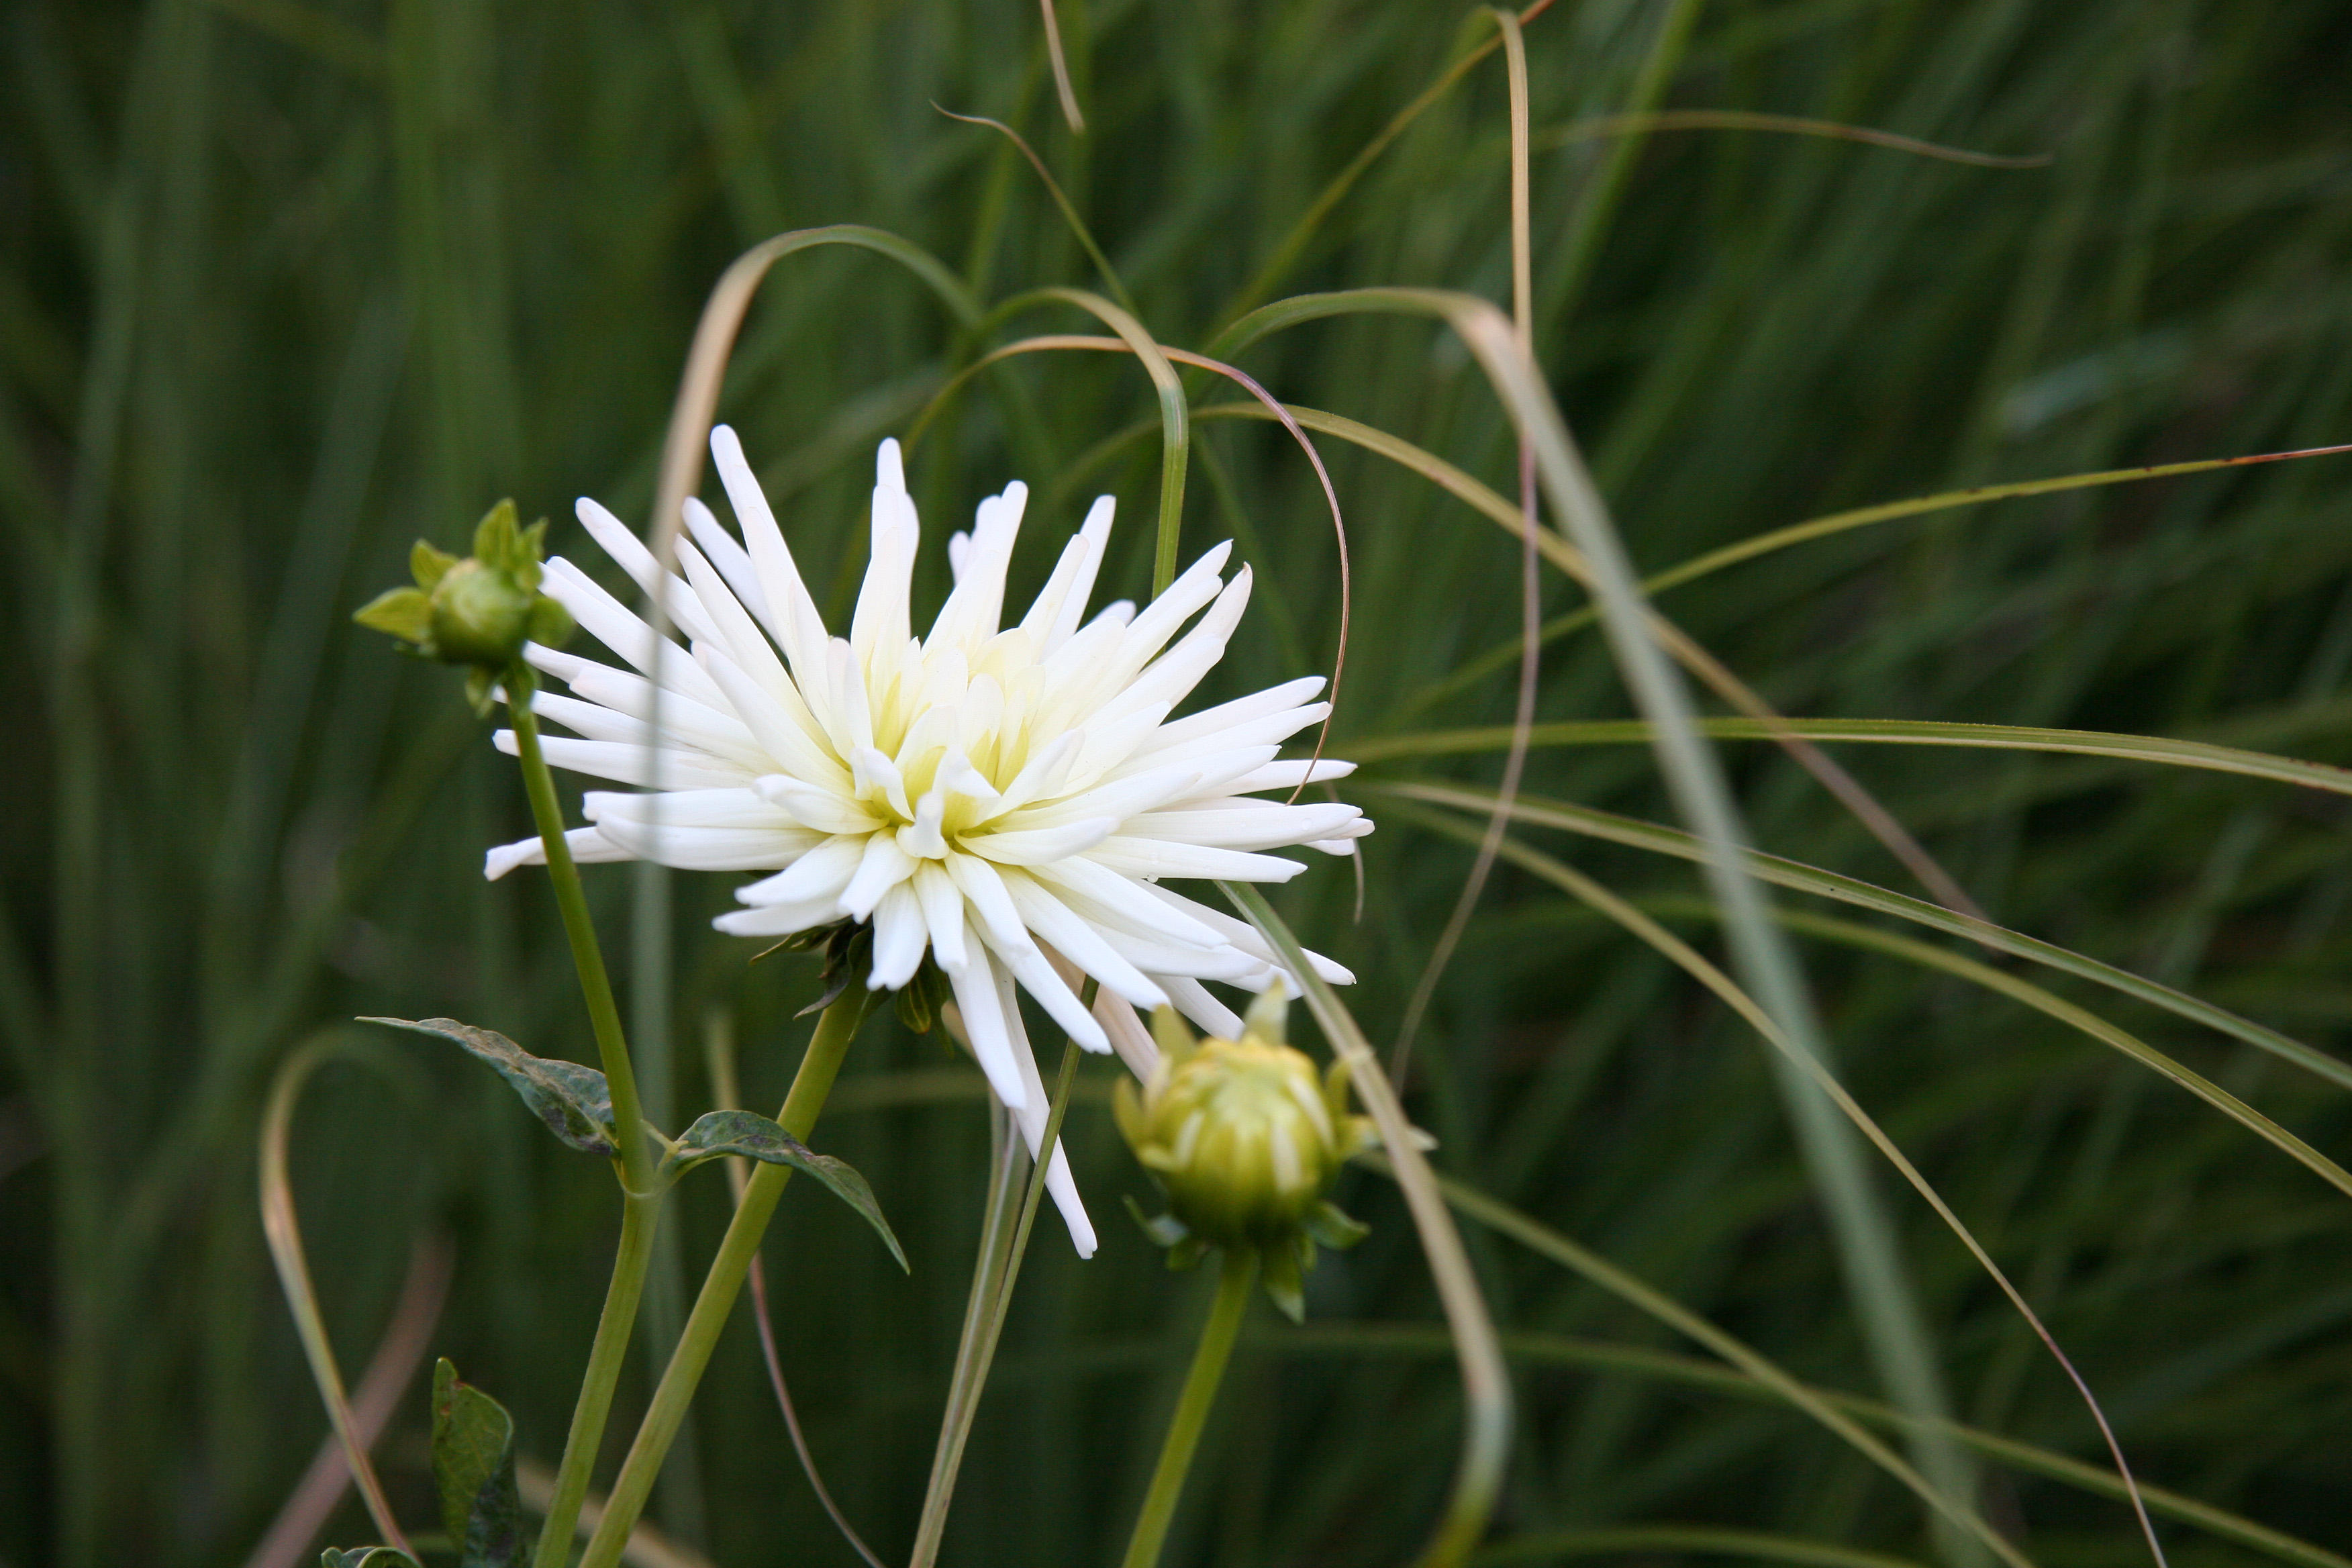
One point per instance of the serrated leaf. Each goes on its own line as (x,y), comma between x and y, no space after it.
(473,1470)
(748,1134)
(571,1098)
(367,1557)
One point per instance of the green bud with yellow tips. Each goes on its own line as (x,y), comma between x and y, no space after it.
(1246,1138)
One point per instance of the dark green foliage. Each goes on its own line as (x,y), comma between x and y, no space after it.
(571,1100)
(284,286)
(752,1135)
(474,1471)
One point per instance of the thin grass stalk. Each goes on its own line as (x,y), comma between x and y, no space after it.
(1070,112)
(1000,1217)
(1880,823)
(284,1231)
(1644,123)
(994,1297)
(1286,253)
(1485,1381)
(1594,895)
(1847,890)
(1503,1218)
(1523,717)
(1766,544)
(2158,749)
(1078,225)
(1538,1348)
(1891,1318)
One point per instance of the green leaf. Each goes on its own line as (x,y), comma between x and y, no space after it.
(473,1468)
(748,1134)
(367,1557)
(571,1098)
(1286,1275)
(405,613)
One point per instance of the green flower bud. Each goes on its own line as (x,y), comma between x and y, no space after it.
(479,611)
(1246,1138)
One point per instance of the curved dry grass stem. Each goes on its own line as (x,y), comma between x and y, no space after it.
(284,1231)
(1495,659)
(1293,245)
(1880,823)
(1541,1238)
(389,1372)
(1868,1248)
(1061,69)
(1660,839)
(1641,124)
(1599,898)
(1085,237)
(1523,715)
(1540,1349)
(2160,748)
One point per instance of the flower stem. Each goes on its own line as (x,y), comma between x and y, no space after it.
(640,1205)
(606,1356)
(806,1099)
(595,985)
(1192,1408)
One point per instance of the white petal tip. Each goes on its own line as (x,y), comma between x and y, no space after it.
(889,466)
(507,857)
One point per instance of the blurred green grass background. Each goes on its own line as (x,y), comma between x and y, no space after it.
(285,284)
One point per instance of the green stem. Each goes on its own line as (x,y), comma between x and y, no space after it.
(992,1299)
(810,1084)
(595,985)
(606,1356)
(1192,1408)
(641,1207)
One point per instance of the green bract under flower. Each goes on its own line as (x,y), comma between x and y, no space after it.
(1246,1138)
(477,611)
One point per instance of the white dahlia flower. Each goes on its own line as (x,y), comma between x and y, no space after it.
(1006,798)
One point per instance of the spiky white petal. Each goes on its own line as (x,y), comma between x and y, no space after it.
(1004,799)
